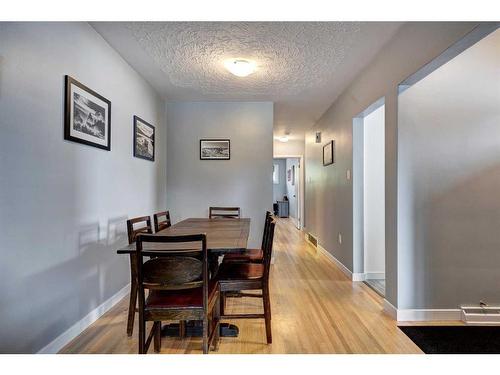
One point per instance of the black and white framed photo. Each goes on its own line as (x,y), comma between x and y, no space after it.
(144,139)
(329,153)
(215,149)
(87,116)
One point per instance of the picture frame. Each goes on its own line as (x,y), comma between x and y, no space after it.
(215,149)
(87,115)
(289,175)
(144,139)
(329,153)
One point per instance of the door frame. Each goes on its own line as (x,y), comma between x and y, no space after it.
(301,185)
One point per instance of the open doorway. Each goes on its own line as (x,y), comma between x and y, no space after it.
(369,195)
(287,188)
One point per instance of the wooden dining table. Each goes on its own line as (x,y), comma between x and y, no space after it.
(223,236)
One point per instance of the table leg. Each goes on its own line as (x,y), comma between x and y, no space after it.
(133,294)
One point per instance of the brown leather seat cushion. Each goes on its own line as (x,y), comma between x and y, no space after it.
(250,255)
(240,271)
(179,299)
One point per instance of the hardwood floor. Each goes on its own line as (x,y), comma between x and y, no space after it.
(315,309)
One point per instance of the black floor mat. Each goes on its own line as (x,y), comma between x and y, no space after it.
(455,339)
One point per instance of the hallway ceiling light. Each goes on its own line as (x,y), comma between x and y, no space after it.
(240,67)
(284,139)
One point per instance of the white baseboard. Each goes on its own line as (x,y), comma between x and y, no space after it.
(358,276)
(337,262)
(374,275)
(62,340)
(421,315)
(428,315)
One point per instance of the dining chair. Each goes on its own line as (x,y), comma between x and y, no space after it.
(132,235)
(224,212)
(235,277)
(161,220)
(179,289)
(251,255)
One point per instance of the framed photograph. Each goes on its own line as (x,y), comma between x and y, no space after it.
(144,139)
(289,175)
(293,174)
(215,149)
(87,116)
(329,153)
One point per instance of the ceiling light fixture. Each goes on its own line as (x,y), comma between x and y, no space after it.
(240,67)
(284,138)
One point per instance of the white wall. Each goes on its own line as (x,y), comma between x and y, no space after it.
(449,183)
(244,181)
(374,192)
(294,147)
(64,204)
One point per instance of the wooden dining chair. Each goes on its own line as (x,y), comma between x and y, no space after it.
(162,220)
(179,289)
(132,235)
(224,212)
(251,255)
(235,277)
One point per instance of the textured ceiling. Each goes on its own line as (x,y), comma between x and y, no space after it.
(301,66)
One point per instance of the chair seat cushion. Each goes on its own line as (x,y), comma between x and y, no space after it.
(240,271)
(180,299)
(250,255)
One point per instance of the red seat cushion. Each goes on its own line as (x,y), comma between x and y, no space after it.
(179,299)
(250,255)
(240,271)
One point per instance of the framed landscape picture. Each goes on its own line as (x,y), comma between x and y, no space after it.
(144,139)
(87,116)
(215,149)
(329,153)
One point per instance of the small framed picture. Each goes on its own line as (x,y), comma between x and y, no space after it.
(87,116)
(144,139)
(329,153)
(215,149)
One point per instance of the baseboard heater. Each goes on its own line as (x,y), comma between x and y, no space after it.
(481,315)
(312,239)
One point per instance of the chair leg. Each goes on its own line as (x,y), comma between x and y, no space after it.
(267,313)
(142,335)
(222,303)
(131,308)
(205,335)
(157,343)
(217,326)
(182,329)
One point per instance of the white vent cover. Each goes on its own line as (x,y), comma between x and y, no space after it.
(481,315)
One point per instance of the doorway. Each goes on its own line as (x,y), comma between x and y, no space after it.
(369,195)
(287,188)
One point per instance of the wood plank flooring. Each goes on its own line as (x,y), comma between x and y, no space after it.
(315,309)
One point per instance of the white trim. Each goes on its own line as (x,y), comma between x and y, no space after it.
(390,309)
(375,275)
(358,276)
(62,340)
(426,315)
(337,262)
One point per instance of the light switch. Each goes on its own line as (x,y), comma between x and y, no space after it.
(340,238)
(348,174)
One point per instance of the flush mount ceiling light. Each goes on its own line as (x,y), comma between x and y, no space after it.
(284,139)
(240,67)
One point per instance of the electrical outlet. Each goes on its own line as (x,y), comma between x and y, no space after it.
(348,174)
(340,238)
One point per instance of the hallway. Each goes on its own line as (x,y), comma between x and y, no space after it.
(315,309)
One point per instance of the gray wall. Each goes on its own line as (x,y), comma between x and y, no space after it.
(449,179)
(329,198)
(63,204)
(279,190)
(244,181)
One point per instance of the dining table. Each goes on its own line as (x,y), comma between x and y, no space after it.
(223,236)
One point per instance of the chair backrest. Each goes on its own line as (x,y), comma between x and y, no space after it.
(268,248)
(224,212)
(172,269)
(132,233)
(266,227)
(161,220)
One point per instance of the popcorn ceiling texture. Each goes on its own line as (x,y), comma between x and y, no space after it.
(291,57)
